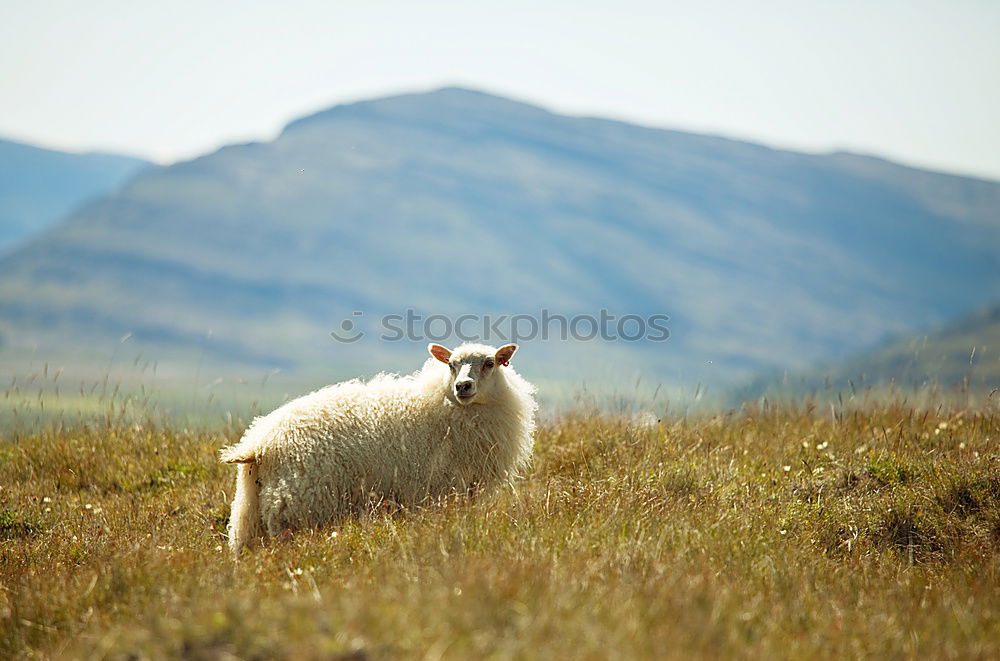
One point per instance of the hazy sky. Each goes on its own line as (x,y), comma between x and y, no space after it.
(911,80)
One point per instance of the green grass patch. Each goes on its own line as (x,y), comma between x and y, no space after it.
(889,471)
(174,473)
(14,525)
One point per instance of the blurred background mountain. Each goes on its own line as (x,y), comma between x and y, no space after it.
(242,262)
(963,355)
(40,186)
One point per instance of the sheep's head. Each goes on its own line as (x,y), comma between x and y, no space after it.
(474,369)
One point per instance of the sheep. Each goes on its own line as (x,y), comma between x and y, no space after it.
(464,423)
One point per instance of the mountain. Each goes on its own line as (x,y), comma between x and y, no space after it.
(456,201)
(961,353)
(40,186)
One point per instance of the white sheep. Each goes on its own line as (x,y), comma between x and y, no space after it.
(464,423)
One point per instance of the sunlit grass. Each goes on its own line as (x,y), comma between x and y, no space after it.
(787,532)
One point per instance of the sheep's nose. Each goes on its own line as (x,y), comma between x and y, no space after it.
(464,387)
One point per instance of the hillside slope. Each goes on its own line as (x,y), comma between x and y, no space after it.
(962,353)
(40,186)
(456,201)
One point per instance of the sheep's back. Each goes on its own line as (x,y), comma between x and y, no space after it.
(385,438)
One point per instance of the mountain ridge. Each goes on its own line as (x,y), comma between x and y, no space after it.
(456,201)
(964,353)
(38,185)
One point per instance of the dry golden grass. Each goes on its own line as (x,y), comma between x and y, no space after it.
(787,532)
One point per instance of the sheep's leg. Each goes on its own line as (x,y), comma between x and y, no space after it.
(244,518)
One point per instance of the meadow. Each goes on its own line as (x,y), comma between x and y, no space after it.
(805,529)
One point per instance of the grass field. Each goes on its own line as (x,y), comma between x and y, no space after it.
(792,532)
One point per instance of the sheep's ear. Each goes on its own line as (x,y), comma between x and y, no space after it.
(439,352)
(505,353)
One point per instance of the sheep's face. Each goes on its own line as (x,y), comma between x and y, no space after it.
(474,369)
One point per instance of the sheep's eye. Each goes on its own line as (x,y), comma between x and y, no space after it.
(452,366)
(487,365)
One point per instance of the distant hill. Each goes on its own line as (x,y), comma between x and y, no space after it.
(962,353)
(40,186)
(456,201)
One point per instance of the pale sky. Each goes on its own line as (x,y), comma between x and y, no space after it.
(914,81)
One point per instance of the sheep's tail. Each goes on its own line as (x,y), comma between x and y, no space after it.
(241,453)
(244,519)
